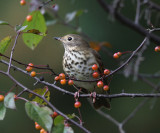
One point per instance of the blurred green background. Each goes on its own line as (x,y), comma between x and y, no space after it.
(98,26)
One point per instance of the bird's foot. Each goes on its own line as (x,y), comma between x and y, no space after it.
(76,94)
(93,95)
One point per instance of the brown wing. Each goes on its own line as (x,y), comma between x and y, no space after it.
(98,59)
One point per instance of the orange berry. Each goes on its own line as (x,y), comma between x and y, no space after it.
(107,71)
(56,78)
(106,88)
(70,82)
(43,131)
(95,67)
(38,127)
(157,49)
(100,84)
(62,76)
(28,69)
(95,75)
(33,74)
(29,18)
(54,114)
(1,98)
(22,2)
(63,81)
(77,104)
(116,56)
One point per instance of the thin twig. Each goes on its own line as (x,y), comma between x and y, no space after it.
(11,55)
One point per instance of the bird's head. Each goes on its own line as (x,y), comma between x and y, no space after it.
(72,41)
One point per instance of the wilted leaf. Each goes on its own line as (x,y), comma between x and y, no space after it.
(4,44)
(37,32)
(98,45)
(20,28)
(58,129)
(58,120)
(38,23)
(68,130)
(4,23)
(2,111)
(39,115)
(41,92)
(9,101)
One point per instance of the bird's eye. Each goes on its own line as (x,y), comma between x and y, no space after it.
(69,38)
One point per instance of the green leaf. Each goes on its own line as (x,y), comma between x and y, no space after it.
(39,115)
(68,130)
(2,111)
(4,44)
(4,23)
(58,129)
(19,28)
(41,92)
(9,101)
(38,23)
(58,120)
(71,116)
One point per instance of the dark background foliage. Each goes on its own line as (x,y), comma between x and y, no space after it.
(99,26)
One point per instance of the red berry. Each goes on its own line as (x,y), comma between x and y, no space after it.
(116,56)
(43,131)
(22,2)
(106,88)
(63,81)
(15,97)
(62,76)
(54,114)
(95,75)
(70,82)
(38,127)
(1,98)
(30,64)
(119,54)
(95,67)
(33,74)
(56,78)
(157,49)
(29,18)
(77,104)
(28,69)
(107,71)
(100,84)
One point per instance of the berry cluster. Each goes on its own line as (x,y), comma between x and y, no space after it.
(117,55)
(62,79)
(100,84)
(29,69)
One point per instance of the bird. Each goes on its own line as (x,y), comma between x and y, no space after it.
(77,63)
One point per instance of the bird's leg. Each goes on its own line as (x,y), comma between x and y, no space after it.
(76,94)
(93,96)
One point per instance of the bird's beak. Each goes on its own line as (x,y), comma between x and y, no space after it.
(57,38)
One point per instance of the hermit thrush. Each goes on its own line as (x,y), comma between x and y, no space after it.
(77,63)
